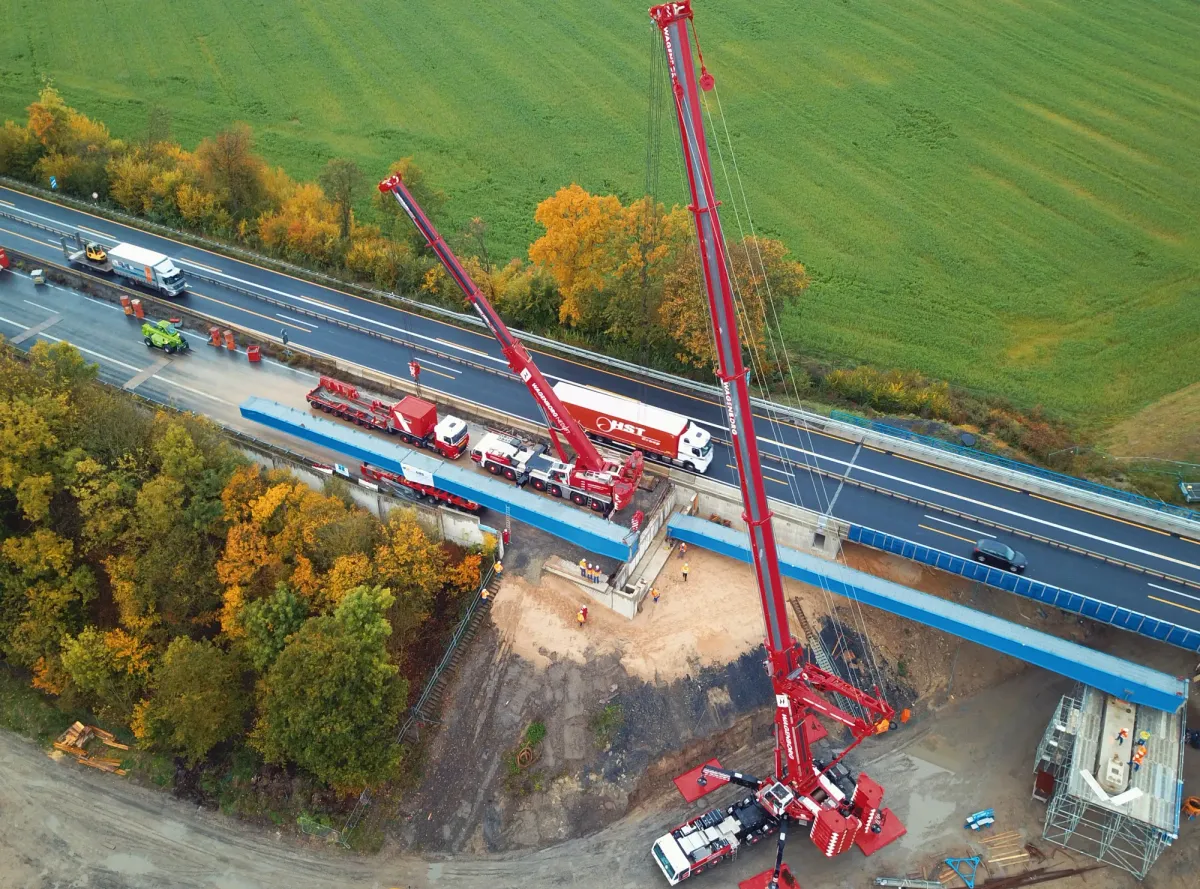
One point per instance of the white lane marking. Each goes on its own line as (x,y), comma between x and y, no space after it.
(403,332)
(54,242)
(84,228)
(190,389)
(40,306)
(8,204)
(292,320)
(100,355)
(934,518)
(200,265)
(999,509)
(1167,589)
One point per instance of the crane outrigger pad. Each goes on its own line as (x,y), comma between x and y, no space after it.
(893,828)
(787,880)
(689,782)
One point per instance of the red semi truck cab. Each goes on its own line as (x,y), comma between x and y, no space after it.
(660,434)
(414,419)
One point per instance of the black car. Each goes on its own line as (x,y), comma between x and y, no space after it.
(998,555)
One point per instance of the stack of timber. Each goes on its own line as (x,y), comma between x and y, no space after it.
(74,741)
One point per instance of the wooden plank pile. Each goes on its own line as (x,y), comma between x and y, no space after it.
(74,741)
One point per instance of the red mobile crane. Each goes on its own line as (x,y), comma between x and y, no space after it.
(590,480)
(839,809)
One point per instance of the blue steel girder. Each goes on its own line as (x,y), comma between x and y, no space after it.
(1127,680)
(566,522)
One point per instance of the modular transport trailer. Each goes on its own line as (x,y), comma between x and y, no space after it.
(661,435)
(412,419)
(416,482)
(135,264)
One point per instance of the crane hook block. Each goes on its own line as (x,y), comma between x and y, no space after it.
(707,81)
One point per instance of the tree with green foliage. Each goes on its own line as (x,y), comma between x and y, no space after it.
(331,700)
(108,669)
(342,179)
(198,700)
(269,622)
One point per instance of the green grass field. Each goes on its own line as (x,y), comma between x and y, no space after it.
(1003,194)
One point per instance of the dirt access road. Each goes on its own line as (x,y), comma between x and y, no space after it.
(64,826)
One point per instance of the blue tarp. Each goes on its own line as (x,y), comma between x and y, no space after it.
(1128,681)
(594,534)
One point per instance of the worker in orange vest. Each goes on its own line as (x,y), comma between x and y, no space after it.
(682,549)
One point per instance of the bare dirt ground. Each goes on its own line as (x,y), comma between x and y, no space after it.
(63,827)
(687,679)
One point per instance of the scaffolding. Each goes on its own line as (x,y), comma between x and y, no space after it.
(1098,804)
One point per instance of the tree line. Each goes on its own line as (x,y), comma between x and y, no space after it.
(622,276)
(150,573)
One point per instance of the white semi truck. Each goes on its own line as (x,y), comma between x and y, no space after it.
(136,264)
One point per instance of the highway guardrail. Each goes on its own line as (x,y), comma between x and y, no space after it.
(498,419)
(1184,523)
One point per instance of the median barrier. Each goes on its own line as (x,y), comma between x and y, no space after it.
(854,431)
(1066,600)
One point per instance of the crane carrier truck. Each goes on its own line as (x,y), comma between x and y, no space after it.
(589,480)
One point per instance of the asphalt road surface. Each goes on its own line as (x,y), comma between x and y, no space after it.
(468,366)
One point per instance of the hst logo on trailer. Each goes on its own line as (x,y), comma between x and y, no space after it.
(605,424)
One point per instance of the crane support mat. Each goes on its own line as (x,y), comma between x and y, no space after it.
(690,787)
(893,828)
(1123,679)
(787,880)
(567,522)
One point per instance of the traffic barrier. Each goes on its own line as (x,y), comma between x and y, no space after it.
(230,342)
(1016,465)
(1125,618)
(138,311)
(126,305)
(1100,497)
(214,336)
(254,353)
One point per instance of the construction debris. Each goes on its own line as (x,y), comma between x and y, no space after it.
(75,739)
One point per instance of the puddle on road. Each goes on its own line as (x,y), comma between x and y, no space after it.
(925,817)
(130,865)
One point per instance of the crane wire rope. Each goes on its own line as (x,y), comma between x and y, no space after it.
(781,356)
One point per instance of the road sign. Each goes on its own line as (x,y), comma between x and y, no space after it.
(54,182)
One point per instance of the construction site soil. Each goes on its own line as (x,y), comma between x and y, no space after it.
(684,680)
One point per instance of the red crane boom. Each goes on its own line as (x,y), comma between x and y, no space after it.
(800,789)
(623,477)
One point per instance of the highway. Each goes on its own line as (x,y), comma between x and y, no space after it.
(465,363)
